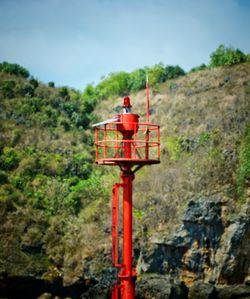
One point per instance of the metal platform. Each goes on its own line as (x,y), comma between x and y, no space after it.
(123,161)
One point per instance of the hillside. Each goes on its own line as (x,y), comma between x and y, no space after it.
(191,212)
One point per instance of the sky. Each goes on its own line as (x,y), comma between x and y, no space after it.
(76,42)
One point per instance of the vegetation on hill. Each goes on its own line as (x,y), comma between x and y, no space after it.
(223,56)
(226,56)
(204,118)
(14,69)
(53,197)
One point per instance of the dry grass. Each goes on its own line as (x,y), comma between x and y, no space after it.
(214,102)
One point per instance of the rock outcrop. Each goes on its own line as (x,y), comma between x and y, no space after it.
(202,251)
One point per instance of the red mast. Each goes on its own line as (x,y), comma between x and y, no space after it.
(130,150)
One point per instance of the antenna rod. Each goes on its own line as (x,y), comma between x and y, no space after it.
(147,100)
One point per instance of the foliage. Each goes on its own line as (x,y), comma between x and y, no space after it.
(223,56)
(14,69)
(158,73)
(51,84)
(122,83)
(19,182)
(198,68)
(51,164)
(87,190)
(175,146)
(138,214)
(204,137)
(3,177)
(64,93)
(7,89)
(34,82)
(137,80)
(45,174)
(52,196)
(89,99)
(9,159)
(25,90)
(243,173)
(172,72)
(114,84)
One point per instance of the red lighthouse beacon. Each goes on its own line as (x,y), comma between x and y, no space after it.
(129,144)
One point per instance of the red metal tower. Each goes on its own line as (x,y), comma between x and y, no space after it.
(126,142)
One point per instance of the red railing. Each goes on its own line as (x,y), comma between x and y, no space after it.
(144,143)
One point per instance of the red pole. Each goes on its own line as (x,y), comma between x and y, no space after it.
(147,101)
(127,276)
(147,120)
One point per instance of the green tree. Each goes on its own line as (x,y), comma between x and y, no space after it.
(198,68)
(14,69)
(51,84)
(173,71)
(9,159)
(89,99)
(114,84)
(223,56)
(159,73)
(137,80)
(34,82)
(156,74)
(7,89)
(64,93)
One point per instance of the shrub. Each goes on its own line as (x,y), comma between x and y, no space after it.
(198,68)
(177,145)
(7,89)
(79,166)
(114,84)
(19,181)
(3,177)
(29,166)
(51,195)
(172,72)
(91,189)
(64,93)
(223,56)
(89,93)
(17,134)
(51,84)
(65,124)
(51,164)
(9,159)
(137,80)
(14,69)
(25,90)
(52,116)
(89,99)
(69,107)
(243,173)
(156,74)
(204,137)
(174,147)
(34,82)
